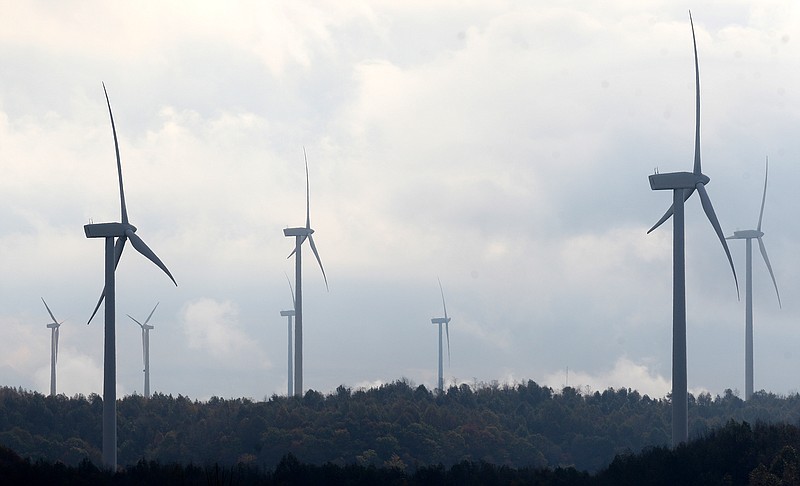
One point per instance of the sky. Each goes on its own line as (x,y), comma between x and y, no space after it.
(500,146)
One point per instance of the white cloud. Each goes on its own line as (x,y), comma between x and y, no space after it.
(20,346)
(213,328)
(76,373)
(624,374)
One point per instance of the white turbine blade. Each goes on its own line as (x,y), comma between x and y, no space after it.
(119,164)
(294,304)
(134,320)
(308,201)
(687,193)
(763,197)
(303,240)
(712,217)
(151,313)
(48,311)
(316,254)
(119,246)
(56,344)
(697,168)
(144,351)
(145,250)
(769,267)
(444,305)
(447,331)
(446,320)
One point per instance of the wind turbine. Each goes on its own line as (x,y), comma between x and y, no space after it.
(748,236)
(300,235)
(146,348)
(439,321)
(113,251)
(53,326)
(289,314)
(682,185)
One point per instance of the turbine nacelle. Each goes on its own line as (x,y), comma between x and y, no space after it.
(108,230)
(53,325)
(677,180)
(745,234)
(440,320)
(298,231)
(287,313)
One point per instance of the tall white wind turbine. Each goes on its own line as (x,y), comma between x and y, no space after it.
(115,234)
(683,185)
(300,235)
(749,236)
(53,326)
(289,313)
(439,321)
(146,348)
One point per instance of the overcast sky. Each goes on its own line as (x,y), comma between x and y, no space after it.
(503,147)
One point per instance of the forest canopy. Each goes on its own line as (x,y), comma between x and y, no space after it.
(396,425)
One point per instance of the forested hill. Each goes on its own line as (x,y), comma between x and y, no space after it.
(396,425)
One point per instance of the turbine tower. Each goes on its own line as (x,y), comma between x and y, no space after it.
(749,236)
(683,185)
(121,232)
(300,235)
(146,348)
(439,321)
(53,326)
(289,314)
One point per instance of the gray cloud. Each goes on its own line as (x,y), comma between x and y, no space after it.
(503,148)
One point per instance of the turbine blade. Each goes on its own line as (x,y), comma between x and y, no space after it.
(119,246)
(134,320)
(144,351)
(687,193)
(763,197)
(442,292)
(48,311)
(712,217)
(697,169)
(102,296)
(769,267)
(316,254)
(56,344)
(308,201)
(294,304)
(119,164)
(294,250)
(447,331)
(145,250)
(151,313)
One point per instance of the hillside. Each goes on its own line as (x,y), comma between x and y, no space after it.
(396,425)
(736,454)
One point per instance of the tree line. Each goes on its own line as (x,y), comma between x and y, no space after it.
(396,426)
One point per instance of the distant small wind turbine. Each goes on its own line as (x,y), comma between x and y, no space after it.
(113,251)
(146,348)
(53,326)
(748,236)
(439,321)
(300,235)
(683,185)
(289,314)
